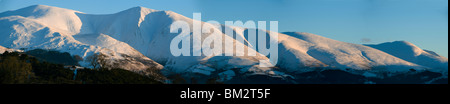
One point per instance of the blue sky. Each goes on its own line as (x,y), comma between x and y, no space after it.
(422,22)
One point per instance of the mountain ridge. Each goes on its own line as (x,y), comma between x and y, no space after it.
(140,33)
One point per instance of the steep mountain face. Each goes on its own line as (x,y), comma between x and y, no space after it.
(137,36)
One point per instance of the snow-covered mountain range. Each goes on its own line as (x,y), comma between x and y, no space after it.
(139,38)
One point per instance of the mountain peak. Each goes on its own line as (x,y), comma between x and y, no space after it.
(309,37)
(404,45)
(401,49)
(44,7)
(38,11)
(303,35)
(410,52)
(137,8)
(38,6)
(140,9)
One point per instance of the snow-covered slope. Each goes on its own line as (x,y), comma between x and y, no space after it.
(312,50)
(58,18)
(148,30)
(45,27)
(128,33)
(136,36)
(410,52)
